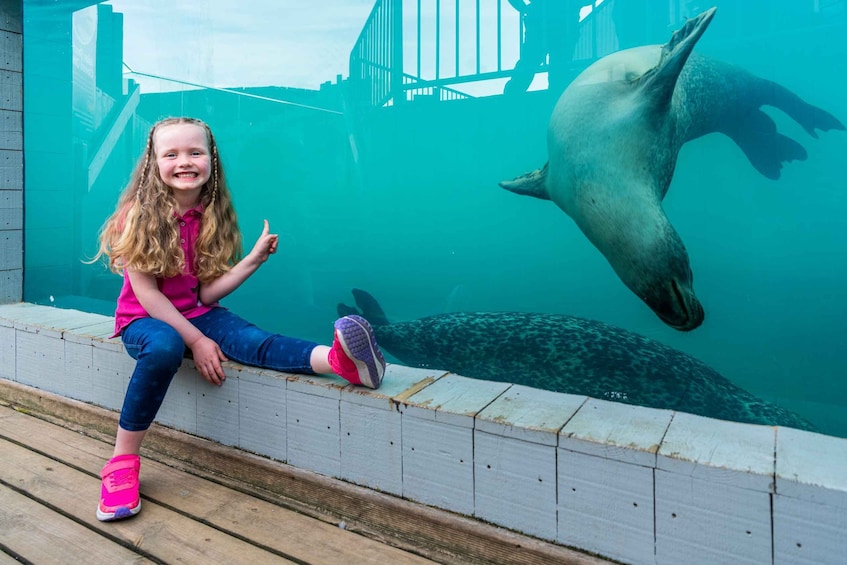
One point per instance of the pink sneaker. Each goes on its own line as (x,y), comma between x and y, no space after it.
(119,491)
(355,356)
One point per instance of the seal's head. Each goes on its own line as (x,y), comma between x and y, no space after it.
(632,231)
(666,285)
(654,264)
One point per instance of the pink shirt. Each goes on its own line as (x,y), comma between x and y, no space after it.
(182,290)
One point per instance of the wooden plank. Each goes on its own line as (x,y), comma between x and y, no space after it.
(7,353)
(370,439)
(438,464)
(37,355)
(810,505)
(242,515)
(370,447)
(529,414)
(98,331)
(10,312)
(621,432)
(29,530)
(707,522)
(261,413)
(606,507)
(6,559)
(217,408)
(312,424)
(110,377)
(437,435)
(163,534)
(812,467)
(75,381)
(515,440)
(328,386)
(55,320)
(713,484)
(179,410)
(808,533)
(398,384)
(515,483)
(453,399)
(740,455)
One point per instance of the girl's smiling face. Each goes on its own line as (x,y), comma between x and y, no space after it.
(182,154)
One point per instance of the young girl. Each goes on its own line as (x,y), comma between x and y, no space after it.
(175,238)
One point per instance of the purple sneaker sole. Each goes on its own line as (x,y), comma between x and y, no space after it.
(357,339)
(120,513)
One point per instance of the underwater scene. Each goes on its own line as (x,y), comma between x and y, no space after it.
(636,200)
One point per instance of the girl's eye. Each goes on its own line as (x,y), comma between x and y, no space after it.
(170,155)
(196,153)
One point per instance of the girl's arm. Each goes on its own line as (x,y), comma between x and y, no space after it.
(207,355)
(229,281)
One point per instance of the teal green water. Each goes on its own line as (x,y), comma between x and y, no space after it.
(403,200)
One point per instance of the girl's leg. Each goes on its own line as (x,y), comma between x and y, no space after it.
(245,343)
(319,360)
(354,355)
(128,442)
(158,350)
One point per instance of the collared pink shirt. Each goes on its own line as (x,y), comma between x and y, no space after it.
(182,290)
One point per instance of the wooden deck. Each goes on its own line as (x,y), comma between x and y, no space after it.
(207,503)
(49,487)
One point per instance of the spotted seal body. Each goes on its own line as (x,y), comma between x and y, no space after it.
(613,141)
(567,354)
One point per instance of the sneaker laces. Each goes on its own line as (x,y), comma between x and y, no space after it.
(121,479)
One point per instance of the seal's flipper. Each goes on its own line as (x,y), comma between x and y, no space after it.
(371,310)
(531,184)
(810,117)
(344,310)
(765,148)
(660,81)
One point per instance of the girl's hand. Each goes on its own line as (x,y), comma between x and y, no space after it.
(207,358)
(229,281)
(265,246)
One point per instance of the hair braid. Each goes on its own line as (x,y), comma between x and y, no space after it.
(145,166)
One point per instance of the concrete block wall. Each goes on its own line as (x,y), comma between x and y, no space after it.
(11,152)
(634,484)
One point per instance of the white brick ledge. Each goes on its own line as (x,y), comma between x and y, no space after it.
(635,484)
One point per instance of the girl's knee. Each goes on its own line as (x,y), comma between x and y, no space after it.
(165,350)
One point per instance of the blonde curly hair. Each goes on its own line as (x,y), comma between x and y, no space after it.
(142,233)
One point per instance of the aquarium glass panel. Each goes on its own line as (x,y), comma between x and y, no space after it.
(641,201)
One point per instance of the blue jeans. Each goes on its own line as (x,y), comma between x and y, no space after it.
(159,350)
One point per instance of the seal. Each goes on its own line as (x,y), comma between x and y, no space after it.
(570,355)
(613,141)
